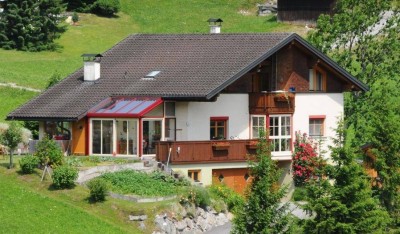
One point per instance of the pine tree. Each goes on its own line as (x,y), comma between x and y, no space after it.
(263,211)
(30,24)
(341,199)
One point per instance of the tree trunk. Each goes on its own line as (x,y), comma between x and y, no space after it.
(11,160)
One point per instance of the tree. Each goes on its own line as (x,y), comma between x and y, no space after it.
(263,211)
(31,25)
(370,52)
(340,198)
(11,138)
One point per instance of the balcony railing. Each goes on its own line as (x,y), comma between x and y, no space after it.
(271,103)
(183,152)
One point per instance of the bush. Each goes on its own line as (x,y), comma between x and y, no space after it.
(299,194)
(49,152)
(28,164)
(196,195)
(232,199)
(64,176)
(106,7)
(98,189)
(75,17)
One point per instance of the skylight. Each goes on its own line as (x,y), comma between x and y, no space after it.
(152,74)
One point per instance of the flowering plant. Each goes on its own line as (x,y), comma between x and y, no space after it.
(305,159)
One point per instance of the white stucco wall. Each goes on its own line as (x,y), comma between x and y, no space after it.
(328,104)
(206,169)
(193,119)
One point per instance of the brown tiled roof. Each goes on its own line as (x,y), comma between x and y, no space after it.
(194,66)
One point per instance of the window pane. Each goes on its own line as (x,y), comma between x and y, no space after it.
(96,136)
(319,81)
(107,136)
(221,123)
(170,109)
(221,133)
(311,79)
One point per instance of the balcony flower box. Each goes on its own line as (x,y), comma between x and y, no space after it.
(221,145)
(252,144)
(283,97)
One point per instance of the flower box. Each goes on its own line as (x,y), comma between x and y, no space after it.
(283,97)
(252,145)
(221,146)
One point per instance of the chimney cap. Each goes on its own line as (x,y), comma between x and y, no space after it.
(215,20)
(91,57)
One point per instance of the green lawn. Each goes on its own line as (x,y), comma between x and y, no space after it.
(30,206)
(11,98)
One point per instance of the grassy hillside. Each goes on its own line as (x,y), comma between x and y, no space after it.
(96,35)
(31,206)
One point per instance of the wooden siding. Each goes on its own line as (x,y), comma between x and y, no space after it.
(271,103)
(79,137)
(184,152)
(233,178)
(303,10)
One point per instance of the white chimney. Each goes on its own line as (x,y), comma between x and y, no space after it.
(91,66)
(215,25)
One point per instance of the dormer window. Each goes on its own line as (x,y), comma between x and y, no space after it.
(151,75)
(317,80)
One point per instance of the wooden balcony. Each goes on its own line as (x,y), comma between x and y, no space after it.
(271,103)
(184,152)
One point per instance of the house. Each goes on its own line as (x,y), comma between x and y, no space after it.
(303,10)
(195,101)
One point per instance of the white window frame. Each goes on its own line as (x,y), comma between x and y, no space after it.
(101,144)
(258,127)
(281,152)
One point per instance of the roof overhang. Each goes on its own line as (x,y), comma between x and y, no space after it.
(124,107)
(288,40)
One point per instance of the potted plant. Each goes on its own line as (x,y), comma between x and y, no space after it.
(223,145)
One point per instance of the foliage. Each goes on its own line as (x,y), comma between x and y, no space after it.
(299,194)
(196,195)
(233,200)
(32,126)
(79,5)
(263,211)
(64,176)
(98,189)
(305,159)
(54,79)
(75,17)
(49,152)
(106,7)
(140,183)
(352,39)
(28,164)
(31,25)
(341,198)
(11,137)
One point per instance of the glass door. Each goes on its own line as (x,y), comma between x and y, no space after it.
(127,137)
(152,133)
(102,136)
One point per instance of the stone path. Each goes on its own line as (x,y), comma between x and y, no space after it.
(15,86)
(223,229)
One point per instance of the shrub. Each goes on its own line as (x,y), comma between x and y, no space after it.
(196,195)
(305,159)
(75,17)
(64,176)
(49,152)
(106,7)
(98,189)
(232,199)
(28,164)
(299,194)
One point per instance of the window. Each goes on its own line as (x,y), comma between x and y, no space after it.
(316,126)
(218,128)
(194,175)
(317,80)
(257,124)
(280,132)
(170,109)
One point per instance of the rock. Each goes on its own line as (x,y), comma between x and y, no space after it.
(202,223)
(142,225)
(211,219)
(200,212)
(137,217)
(180,225)
(229,216)
(164,224)
(189,223)
(221,219)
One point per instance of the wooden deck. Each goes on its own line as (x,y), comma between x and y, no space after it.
(184,152)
